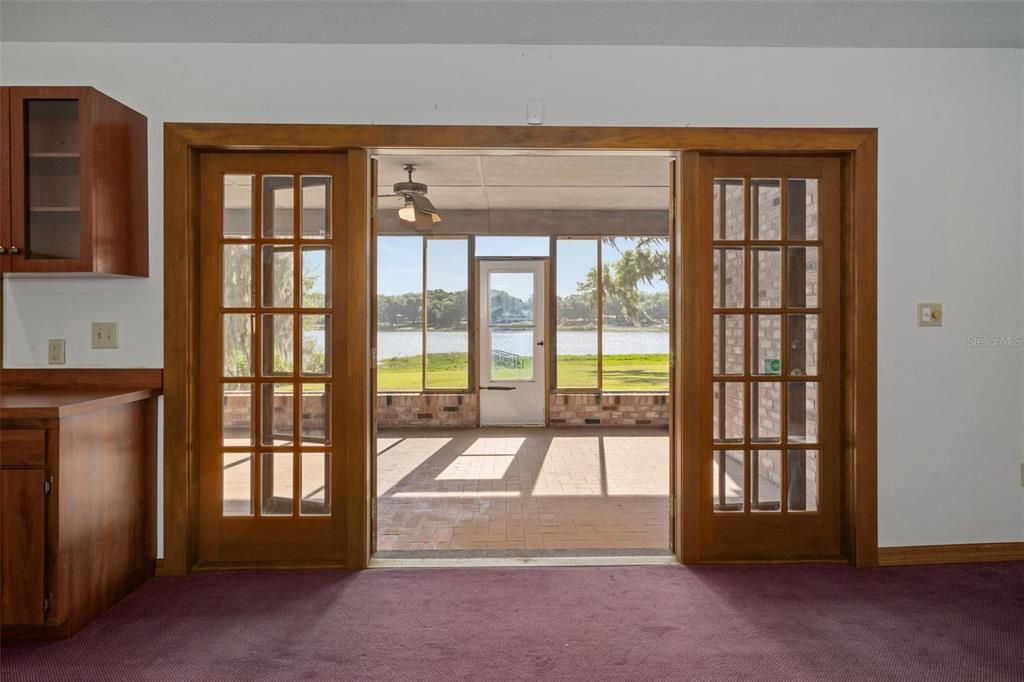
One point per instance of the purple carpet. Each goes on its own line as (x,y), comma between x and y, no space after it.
(765,622)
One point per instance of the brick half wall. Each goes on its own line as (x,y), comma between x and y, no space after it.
(609,409)
(418,410)
(460,410)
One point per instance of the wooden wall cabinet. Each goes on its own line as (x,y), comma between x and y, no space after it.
(76,182)
(77,503)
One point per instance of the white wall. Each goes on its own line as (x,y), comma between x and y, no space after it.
(951,173)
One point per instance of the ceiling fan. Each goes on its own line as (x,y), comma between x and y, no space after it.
(417,208)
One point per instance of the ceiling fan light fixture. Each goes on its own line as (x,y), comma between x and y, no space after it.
(408,211)
(418,208)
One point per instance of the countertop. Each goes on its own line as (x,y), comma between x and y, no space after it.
(49,402)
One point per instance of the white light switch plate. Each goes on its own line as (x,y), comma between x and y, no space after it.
(104,334)
(55,352)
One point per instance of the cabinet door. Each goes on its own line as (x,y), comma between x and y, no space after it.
(50,155)
(22,546)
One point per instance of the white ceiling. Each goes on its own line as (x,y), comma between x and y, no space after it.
(758,23)
(613,182)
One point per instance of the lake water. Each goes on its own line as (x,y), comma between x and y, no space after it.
(405,343)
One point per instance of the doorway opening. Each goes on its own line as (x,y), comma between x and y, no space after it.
(826,476)
(522,354)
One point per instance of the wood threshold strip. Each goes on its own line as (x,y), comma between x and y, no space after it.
(951,554)
(519,562)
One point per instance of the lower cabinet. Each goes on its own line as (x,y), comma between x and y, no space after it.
(23,546)
(77,515)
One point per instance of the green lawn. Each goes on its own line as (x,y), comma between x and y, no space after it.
(641,372)
(449,370)
(446,370)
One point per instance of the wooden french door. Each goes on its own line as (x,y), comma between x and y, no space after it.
(769,341)
(272,318)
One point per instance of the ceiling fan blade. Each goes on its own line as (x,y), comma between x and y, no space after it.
(423,205)
(424,221)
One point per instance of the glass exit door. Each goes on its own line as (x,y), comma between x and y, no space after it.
(513,367)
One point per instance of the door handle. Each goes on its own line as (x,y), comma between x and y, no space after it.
(498,388)
(540,343)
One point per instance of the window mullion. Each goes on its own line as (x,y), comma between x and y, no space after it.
(600,315)
(423,317)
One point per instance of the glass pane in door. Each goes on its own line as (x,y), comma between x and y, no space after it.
(766,481)
(802,489)
(278,204)
(236,484)
(727,480)
(276,484)
(316,206)
(238,206)
(511,321)
(316,484)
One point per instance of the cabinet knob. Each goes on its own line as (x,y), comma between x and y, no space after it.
(2,250)
(15,251)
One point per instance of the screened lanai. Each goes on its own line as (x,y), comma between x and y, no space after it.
(522,355)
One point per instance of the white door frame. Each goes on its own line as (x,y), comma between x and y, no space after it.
(513,402)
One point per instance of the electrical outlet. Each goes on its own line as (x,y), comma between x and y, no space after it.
(55,352)
(104,334)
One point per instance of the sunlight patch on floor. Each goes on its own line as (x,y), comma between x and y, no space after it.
(477,468)
(636,465)
(495,446)
(571,467)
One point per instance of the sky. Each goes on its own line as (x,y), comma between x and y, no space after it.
(400,262)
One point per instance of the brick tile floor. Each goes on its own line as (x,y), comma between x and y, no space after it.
(528,489)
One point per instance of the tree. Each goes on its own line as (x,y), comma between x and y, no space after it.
(647,262)
(447,310)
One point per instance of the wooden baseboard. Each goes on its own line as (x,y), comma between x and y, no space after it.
(951,554)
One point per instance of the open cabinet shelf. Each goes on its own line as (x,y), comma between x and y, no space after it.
(54,155)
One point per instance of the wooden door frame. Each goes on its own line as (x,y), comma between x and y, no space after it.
(185,142)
